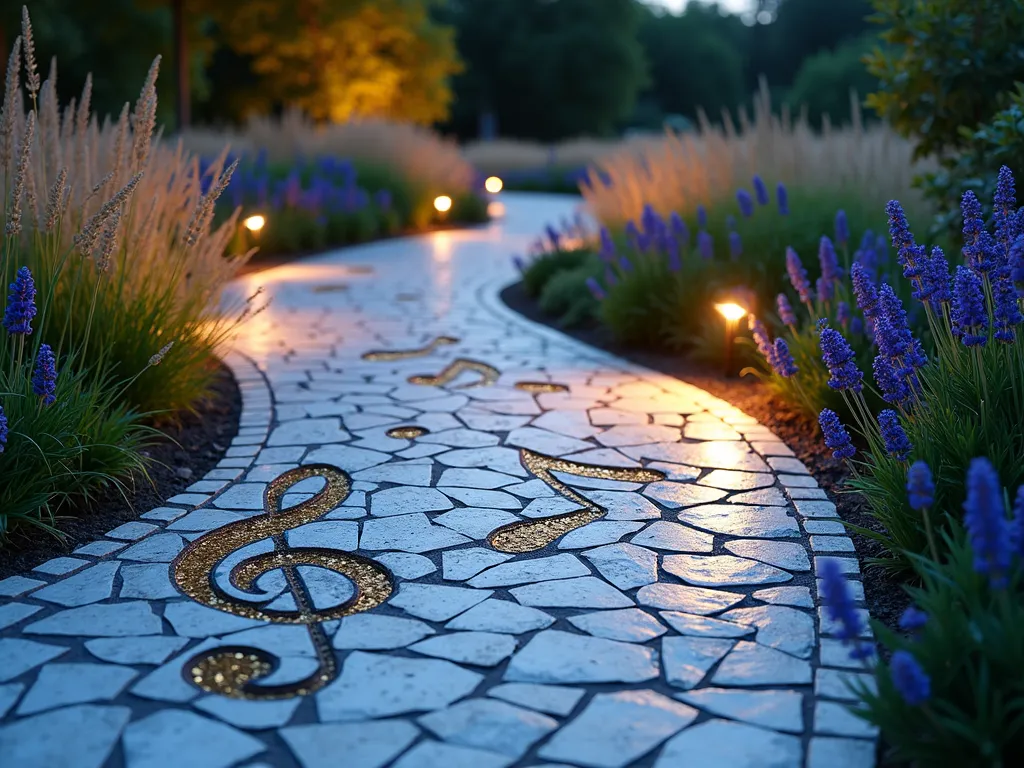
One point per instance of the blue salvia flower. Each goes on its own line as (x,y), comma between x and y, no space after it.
(607,249)
(610,278)
(1016,260)
(786,313)
(761,338)
(896,441)
(3,429)
(651,221)
(625,264)
(519,263)
(672,251)
(782,360)
(920,486)
(892,332)
(21,304)
(1006,310)
(553,237)
(909,678)
(1018,521)
(595,289)
(909,255)
(913,619)
(1005,210)
(746,203)
(864,290)
(856,326)
(782,197)
(735,246)
(839,359)
(705,245)
(977,242)
(632,235)
(843,315)
(987,526)
(836,436)
(760,191)
(382,199)
(830,269)
(44,377)
(826,289)
(702,217)
(841,608)
(730,223)
(893,387)
(679,229)
(938,278)
(798,276)
(970,320)
(842,228)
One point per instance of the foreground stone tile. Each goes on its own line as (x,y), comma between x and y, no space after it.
(717,743)
(777,710)
(430,754)
(76,737)
(364,745)
(482,649)
(553,699)
(61,684)
(686,660)
(100,620)
(435,602)
(751,664)
(630,625)
(501,616)
(371,631)
(494,726)
(553,656)
(618,728)
(562,566)
(191,738)
(676,597)
(722,570)
(584,592)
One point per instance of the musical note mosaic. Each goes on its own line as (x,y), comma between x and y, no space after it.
(385,355)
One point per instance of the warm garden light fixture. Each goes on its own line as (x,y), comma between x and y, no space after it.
(493,185)
(254,223)
(733,313)
(442,203)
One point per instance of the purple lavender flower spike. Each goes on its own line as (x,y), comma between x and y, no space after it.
(842,228)
(893,387)
(938,278)
(830,269)
(519,262)
(841,608)
(632,235)
(839,359)
(21,304)
(679,229)
(782,197)
(1018,522)
(977,242)
(798,276)
(1006,313)
(746,203)
(825,289)
(920,486)
(595,289)
(1016,262)
(44,377)
(909,678)
(705,245)
(1005,210)
(650,221)
(610,278)
(760,191)
(702,217)
(553,237)
(625,264)
(970,320)
(782,360)
(913,619)
(786,313)
(607,250)
(896,441)
(730,223)
(675,263)
(843,315)
(3,429)
(836,436)
(909,255)
(735,246)
(987,525)
(864,290)
(761,338)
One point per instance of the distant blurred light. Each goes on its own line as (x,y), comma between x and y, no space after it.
(493,185)
(254,223)
(731,311)
(442,203)
(495,209)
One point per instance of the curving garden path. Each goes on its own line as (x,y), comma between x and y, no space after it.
(563,558)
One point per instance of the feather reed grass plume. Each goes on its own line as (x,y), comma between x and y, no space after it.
(123,199)
(681,171)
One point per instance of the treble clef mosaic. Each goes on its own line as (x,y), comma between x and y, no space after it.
(234,670)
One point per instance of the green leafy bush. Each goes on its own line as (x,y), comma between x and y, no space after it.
(828,81)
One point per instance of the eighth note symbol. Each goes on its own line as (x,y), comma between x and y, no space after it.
(233,670)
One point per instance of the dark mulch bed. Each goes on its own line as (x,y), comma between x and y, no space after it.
(190,450)
(885,598)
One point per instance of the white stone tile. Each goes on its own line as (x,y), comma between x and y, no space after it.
(598,533)
(147,581)
(474,522)
(435,602)
(494,726)
(778,626)
(100,548)
(777,710)
(828,752)
(483,649)
(627,566)
(563,566)
(19,656)
(137,650)
(462,564)
(736,520)
(9,696)
(704,626)
(782,554)
(191,738)
(87,732)
(750,664)
(686,660)
(406,565)
(677,597)
(673,537)
(717,743)
(583,592)
(834,719)
(501,616)
(553,699)
(430,754)
(766,497)
(59,566)
(13,586)
(12,613)
(475,478)
(722,570)
(799,597)
(675,495)
(59,685)
(629,625)
(553,656)
(249,714)
(606,732)
(409,533)
(127,619)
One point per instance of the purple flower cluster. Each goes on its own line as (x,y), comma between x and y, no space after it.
(990,531)
(786,313)
(897,444)
(760,191)
(595,289)
(782,197)
(746,203)
(970,320)
(842,228)
(705,245)
(839,359)
(44,377)
(913,619)
(909,678)
(798,276)
(920,486)
(761,338)
(21,304)
(781,359)
(3,429)
(735,246)
(900,355)
(840,607)
(836,436)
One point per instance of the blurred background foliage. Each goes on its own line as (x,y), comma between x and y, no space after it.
(532,69)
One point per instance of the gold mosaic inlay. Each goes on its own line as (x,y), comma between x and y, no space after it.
(531,535)
(232,671)
(407,433)
(488,374)
(541,386)
(383,355)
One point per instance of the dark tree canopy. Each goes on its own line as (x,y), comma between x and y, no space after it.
(547,68)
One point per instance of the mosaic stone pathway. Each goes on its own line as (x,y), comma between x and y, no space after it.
(561,558)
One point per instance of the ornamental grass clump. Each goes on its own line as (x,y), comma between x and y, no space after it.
(951,692)
(113,266)
(960,398)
